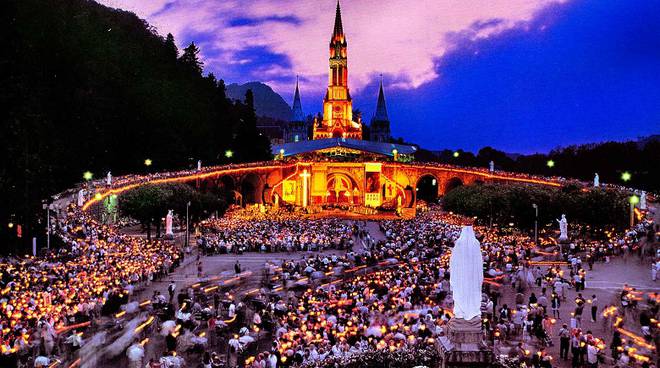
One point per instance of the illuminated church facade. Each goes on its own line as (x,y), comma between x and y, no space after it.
(338,166)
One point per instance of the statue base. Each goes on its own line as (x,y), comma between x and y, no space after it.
(463,345)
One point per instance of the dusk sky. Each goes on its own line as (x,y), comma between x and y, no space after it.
(519,75)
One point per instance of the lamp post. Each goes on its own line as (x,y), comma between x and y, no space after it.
(187,224)
(633,201)
(46,207)
(536,223)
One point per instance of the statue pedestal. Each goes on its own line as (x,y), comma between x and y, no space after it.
(463,345)
(564,243)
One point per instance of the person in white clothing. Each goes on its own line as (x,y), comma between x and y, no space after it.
(592,356)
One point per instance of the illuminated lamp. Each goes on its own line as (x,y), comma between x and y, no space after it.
(634,199)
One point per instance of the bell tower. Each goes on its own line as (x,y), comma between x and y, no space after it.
(337,105)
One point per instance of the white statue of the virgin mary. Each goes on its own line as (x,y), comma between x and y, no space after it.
(466,275)
(81,197)
(563,228)
(168,224)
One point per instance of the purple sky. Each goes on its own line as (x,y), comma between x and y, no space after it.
(519,75)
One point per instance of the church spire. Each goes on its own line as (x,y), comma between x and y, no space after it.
(297,113)
(339,30)
(381,108)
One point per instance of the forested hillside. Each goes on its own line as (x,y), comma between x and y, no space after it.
(89,88)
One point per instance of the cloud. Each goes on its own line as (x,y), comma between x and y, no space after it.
(398,38)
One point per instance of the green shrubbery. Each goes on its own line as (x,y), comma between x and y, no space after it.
(149,203)
(512,203)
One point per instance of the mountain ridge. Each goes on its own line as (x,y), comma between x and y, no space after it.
(267,102)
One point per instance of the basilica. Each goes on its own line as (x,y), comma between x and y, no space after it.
(341,162)
(337,120)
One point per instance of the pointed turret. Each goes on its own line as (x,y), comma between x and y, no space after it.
(297,106)
(339,30)
(381,108)
(380,123)
(337,105)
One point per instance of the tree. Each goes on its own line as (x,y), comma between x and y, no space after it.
(249,101)
(504,203)
(190,59)
(499,158)
(250,144)
(89,88)
(170,47)
(147,204)
(222,89)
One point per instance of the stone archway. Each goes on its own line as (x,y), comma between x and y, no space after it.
(251,188)
(227,183)
(452,183)
(341,189)
(426,188)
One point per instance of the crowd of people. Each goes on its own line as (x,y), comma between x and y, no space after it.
(243,230)
(42,297)
(382,295)
(407,305)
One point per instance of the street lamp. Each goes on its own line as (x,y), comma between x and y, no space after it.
(87,175)
(625,176)
(46,207)
(229,153)
(187,224)
(536,223)
(633,201)
(148,162)
(550,163)
(456,154)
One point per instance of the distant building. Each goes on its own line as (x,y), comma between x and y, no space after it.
(296,129)
(379,130)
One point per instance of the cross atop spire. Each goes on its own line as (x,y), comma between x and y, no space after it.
(339,30)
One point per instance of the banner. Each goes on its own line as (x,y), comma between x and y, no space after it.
(289,191)
(372,182)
